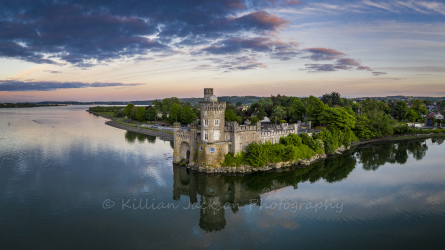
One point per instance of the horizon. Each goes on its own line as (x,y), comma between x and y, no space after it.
(150,100)
(112,50)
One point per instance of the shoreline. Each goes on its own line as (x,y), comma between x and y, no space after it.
(283,166)
(146,131)
(280,166)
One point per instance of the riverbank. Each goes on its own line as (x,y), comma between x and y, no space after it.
(163,135)
(280,166)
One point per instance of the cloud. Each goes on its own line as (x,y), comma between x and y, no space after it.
(276,49)
(320,67)
(12,85)
(340,62)
(229,64)
(398,7)
(323,54)
(88,33)
(376,73)
(53,71)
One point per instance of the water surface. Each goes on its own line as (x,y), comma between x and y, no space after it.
(68,181)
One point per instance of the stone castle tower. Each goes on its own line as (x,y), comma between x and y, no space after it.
(208,147)
(212,146)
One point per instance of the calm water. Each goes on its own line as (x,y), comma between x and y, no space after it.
(68,181)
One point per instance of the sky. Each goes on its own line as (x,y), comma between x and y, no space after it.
(109,50)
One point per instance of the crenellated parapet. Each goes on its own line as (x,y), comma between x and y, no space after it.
(213,106)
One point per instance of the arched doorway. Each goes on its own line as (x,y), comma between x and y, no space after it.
(187,155)
(185,151)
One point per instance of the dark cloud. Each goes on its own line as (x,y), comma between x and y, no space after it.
(12,85)
(53,71)
(364,68)
(323,54)
(276,49)
(375,73)
(320,67)
(229,64)
(85,33)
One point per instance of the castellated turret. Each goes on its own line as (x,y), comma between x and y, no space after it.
(207,93)
(212,117)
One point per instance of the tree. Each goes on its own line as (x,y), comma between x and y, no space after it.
(187,116)
(151,114)
(278,113)
(175,113)
(412,115)
(127,109)
(238,104)
(337,118)
(380,123)
(363,127)
(332,99)
(231,116)
(401,110)
(254,120)
(296,111)
(419,107)
(140,114)
(314,108)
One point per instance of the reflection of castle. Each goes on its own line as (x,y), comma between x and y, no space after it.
(216,138)
(216,193)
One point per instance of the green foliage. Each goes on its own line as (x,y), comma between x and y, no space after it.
(332,99)
(314,109)
(401,110)
(363,127)
(231,116)
(291,139)
(234,161)
(187,116)
(151,114)
(297,111)
(254,120)
(128,110)
(140,113)
(337,118)
(175,113)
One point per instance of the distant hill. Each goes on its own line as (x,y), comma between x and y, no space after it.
(246,100)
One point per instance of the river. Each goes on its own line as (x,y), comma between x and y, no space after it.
(68,181)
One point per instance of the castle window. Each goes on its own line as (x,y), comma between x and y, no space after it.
(216,135)
(206,135)
(241,146)
(206,122)
(254,136)
(212,150)
(216,122)
(247,137)
(200,149)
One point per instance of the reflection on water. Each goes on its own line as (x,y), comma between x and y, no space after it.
(58,166)
(373,157)
(219,192)
(131,137)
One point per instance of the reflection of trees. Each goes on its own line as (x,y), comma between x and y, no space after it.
(132,136)
(217,191)
(373,157)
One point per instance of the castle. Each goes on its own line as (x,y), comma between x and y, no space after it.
(216,138)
